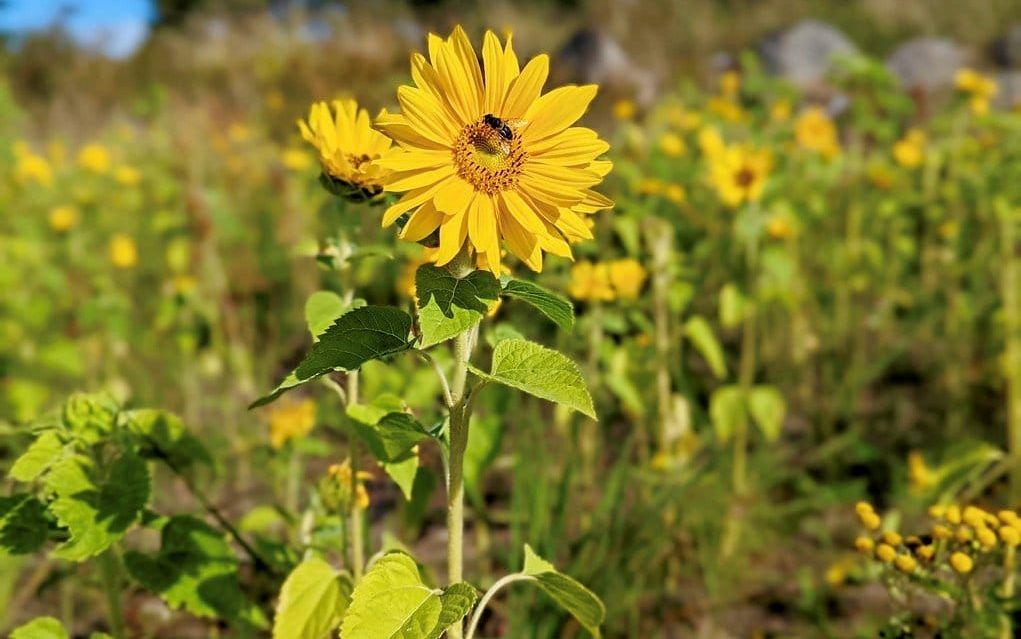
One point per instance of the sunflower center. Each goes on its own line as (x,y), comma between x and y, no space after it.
(745,177)
(357,160)
(487,160)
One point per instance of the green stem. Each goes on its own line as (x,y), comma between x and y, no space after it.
(496,587)
(660,239)
(460,416)
(746,376)
(1011,287)
(109,568)
(357,519)
(1007,591)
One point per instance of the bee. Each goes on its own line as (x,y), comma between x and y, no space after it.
(504,128)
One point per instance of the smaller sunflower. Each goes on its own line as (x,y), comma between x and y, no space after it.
(349,148)
(739,172)
(815,131)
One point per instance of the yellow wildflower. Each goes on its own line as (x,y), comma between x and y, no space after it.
(885,553)
(892,538)
(123,252)
(815,131)
(909,151)
(339,487)
(624,109)
(779,227)
(627,277)
(33,168)
(290,420)
(63,218)
(953,514)
(980,88)
(864,545)
(730,83)
(649,186)
(920,476)
(710,142)
(1010,536)
(671,144)
(683,119)
(739,173)
(780,111)
(590,282)
(905,563)
(675,193)
(295,160)
(837,572)
(986,537)
(127,175)
(961,562)
(726,108)
(94,157)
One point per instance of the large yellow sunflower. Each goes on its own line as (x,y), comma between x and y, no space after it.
(485,156)
(349,148)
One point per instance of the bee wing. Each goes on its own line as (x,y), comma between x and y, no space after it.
(516,123)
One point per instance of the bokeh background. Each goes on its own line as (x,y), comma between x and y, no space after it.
(160,222)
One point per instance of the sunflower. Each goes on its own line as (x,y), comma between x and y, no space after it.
(349,148)
(738,172)
(485,156)
(815,131)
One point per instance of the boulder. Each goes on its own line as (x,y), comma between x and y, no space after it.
(590,56)
(804,53)
(927,66)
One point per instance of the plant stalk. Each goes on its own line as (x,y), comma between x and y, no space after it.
(109,568)
(357,518)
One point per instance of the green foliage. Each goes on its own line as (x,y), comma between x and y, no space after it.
(195,570)
(313,600)
(554,306)
(698,330)
(24,524)
(447,306)
(573,597)
(163,436)
(540,371)
(37,458)
(40,628)
(322,309)
(96,503)
(768,409)
(393,602)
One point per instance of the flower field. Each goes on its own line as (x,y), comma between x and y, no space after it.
(431,342)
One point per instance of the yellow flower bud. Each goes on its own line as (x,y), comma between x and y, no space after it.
(953,514)
(964,534)
(939,531)
(870,521)
(961,562)
(1010,536)
(863,507)
(892,538)
(973,516)
(885,553)
(986,537)
(926,552)
(905,563)
(1007,516)
(937,511)
(864,545)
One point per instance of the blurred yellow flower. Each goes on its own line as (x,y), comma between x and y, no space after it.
(726,108)
(296,160)
(675,193)
(183,284)
(961,562)
(739,173)
(590,282)
(341,475)
(710,141)
(624,109)
(780,111)
(290,419)
(238,132)
(920,476)
(649,186)
(63,218)
(815,131)
(33,168)
(838,571)
(275,100)
(683,119)
(127,175)
(671,144)
(627,277)
(779,227)
(406,280)
(122,251)
(980,87)
(909,151)
(94,157)
(57,152)
(349,148)
(730,83)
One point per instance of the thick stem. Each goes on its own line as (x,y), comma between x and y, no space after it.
(460,415)
(357,519)
(109,568)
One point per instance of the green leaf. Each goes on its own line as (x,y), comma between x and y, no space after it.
(37,458)
(24,525)
(97,504)
(40,628)
(162,435)
(570,595)
(391,436)
(195,570)
(768,408)
(322,309)
(447,305)
(370,332)
(312,602)
(554,306)
(392,602)
(698,330)
(456,601)
(726,410)
(732,306)
(403,472)
(540,371)
(90,417)
(362,334)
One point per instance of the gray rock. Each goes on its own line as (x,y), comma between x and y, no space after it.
(1009,95)
(1007,49)
(590,56)
(804,53)
(927,66)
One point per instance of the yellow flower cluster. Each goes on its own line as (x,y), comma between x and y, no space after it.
(290,420)
(980,89)
(607,281)
(955,541)
(335,488)
(909,151)
(815,131)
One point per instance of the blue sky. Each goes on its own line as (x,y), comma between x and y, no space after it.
(116,27)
